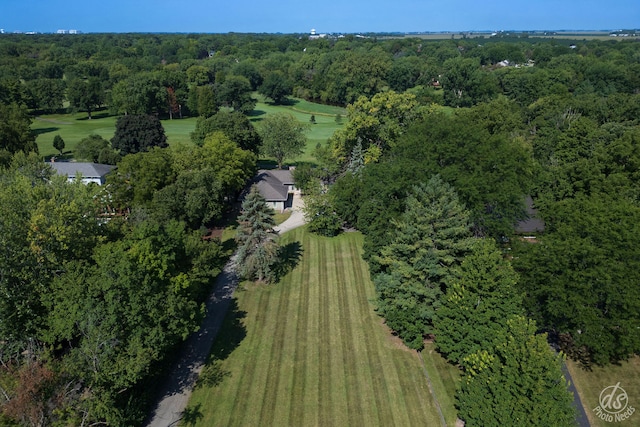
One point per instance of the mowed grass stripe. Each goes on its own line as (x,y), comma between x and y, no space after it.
(417,405)
(344,279)
(285,385)
(324,349)
(267,331)
(311,396)
(296,409)
(338,324)
(284,390)
(277,354)
(320,358)
(374,364)
(253,377)
(237,393)
(363,320)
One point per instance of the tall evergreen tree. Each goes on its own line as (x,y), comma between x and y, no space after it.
(257,240)
(479,302)
(430,239)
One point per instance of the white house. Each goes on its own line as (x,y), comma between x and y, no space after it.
(90,172)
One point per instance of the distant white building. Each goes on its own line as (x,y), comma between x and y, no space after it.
(313,35)
(88,172)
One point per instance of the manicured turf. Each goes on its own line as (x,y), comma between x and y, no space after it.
(591,383)
(310,350)
(302,110)
(75,127)
(444,378)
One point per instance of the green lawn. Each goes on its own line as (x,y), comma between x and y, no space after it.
(591,383)
(72,128)
(75,127)
(302,110)
(444,378)
(310,350)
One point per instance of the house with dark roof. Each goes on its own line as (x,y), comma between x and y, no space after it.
(277,187)
(532,224)
(89,172)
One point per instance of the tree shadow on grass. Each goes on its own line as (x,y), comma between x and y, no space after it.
(229,338)
(289,102)
(289,257)
(95,116)
(256,115)
(212,375)
(42,131)
(191,416)
(231,334)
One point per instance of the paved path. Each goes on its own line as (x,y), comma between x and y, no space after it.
(296,219)
(176,392)
(581,415)
(178,387)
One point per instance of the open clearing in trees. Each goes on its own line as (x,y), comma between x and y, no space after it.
(310,350)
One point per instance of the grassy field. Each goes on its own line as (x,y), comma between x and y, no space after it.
(591,383)
(310,351)
(302,110)
(75,127)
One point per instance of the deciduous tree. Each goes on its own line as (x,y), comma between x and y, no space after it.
(518,382)
(477,304)
(233,124)
(95,148)
(15,132)
(139,176)
(375,123)
(276,87)
(135,133)
(319,212)
(235,92)
(282,137)
(581,279)
(86,94)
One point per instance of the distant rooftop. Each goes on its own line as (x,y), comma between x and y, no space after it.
(94,172)
(532,224)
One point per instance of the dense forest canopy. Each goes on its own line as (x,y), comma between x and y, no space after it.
(442,143)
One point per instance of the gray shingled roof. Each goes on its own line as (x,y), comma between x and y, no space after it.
(272,184)
(87,170)
(532,224)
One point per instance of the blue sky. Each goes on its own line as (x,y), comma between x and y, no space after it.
(288,16)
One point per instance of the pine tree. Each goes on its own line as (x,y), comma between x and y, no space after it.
(257,241)
(430,239)
(479,302)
